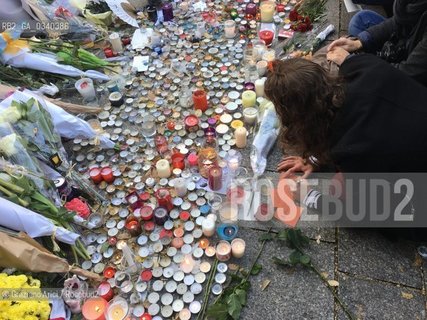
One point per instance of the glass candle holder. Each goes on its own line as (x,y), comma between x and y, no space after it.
(164,198)
(230,29)
(167,10)
(250,115)
(85,87)
(161,144)
(216,203)
(251,8)
(178,161)
(215,178)
(267,9)
(148,126)
(267,36)
(200,100)
(133,226)
(259,47)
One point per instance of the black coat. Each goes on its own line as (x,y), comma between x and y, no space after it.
(382,125)
(412,37)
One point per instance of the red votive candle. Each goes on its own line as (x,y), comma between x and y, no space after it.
(109,272)
(280,8)
(145,196)
(178,161)
(133,226)
(161,144)
(108,53)
(105,291)
(170,125)
(107,174)
(149,226)
(193,160)
(267,36)
(95,175)
(146,213)
(126,40)
(146,275)
(164,199)
(191,123)
(251,9)
(200,100)
(215,178)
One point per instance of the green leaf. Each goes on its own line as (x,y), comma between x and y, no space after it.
(266,237)
(234,306)
(256,269)
(295,257)
(217,311)
(242,296)
(305,260)
(296,239)
(282,262)
(282,235)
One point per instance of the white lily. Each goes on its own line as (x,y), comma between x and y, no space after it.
(7,145)
(10,115)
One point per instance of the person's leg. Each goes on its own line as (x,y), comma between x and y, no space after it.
(363,20)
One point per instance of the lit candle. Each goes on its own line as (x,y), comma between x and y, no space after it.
(200,100)
(267,9)
(109,272)
(259,87)
(185,314)
(215,178)
(269,56)
(133,226)
(94,308)
(204,243)
(261,67)
(223,251)
(163,168)
(85,87)
(229,212)
(250,115)
(118,309)
(95,175)
(178,161)
(105,291)
(107,174)
(238,247)
(240,135)
(248,98)
(208,227)
(230,29)
(180,186)
(267,36)
(116,42)
(187,265)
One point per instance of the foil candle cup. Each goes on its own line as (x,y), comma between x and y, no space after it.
(223,251)
(200,100)
(215,178)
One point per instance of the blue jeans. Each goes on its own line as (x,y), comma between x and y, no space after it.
(362,21)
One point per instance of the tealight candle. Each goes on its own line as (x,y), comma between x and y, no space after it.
(105,291)
(248,98)
(267,9)
(187,265)
(109,272)
(238,247)
(180,186)
(118,309)
(163,168)
(210,251)
(85,87)
(259,87)
(208,227)
(116,42)
(94,308)
(250,115)
(204,243)
(240,135)
(223,251)
(230,29)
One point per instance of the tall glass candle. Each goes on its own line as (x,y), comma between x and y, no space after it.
(238,247)
(163,168)
(267,9)
(248,98)
(167,10)
(180,186)
(251,8)
(105,291)
(116,42)
(230,29)
(259,87)
(94,308)
(240,135)
(164,199)
(200,100)
(215,178)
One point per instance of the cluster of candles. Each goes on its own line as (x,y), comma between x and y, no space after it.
(101,174)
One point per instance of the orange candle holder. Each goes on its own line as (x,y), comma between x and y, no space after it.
(200,100)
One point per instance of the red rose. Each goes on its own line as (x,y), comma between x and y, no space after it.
(293,15)
(78,206)
(307,20)
(302,27)
(300,18)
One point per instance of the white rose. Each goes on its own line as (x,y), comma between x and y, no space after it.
(7,145)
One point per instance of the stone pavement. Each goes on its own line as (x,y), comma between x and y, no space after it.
(378,278)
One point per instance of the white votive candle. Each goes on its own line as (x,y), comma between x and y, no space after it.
(240,135)
(238,247)
(208,227)
(116,42)
(223,251)
(250,115)
(187,265)
(259,87)
(230,29)
(180,185)
(163,168)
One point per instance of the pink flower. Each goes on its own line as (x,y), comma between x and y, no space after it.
(78,206)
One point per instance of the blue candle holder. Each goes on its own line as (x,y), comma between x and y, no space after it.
(205,209)
(227,231)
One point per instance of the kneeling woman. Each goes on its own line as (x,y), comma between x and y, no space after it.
(372,118)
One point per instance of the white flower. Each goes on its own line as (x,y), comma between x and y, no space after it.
(7,145)
(10,115)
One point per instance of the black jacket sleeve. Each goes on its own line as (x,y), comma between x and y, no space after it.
(377,35)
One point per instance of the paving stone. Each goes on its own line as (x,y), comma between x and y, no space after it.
(368,253)
(375,300)
(291,294)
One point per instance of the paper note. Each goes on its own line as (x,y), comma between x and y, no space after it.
(140,63)
(351,7)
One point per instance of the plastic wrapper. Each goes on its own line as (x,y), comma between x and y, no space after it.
(264,141)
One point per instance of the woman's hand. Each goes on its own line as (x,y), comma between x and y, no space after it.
(293,164)
(346,44)
(337,55)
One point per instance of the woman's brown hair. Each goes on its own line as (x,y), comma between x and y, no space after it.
(305,96)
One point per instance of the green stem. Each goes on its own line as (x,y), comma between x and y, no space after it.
(11,194)
(257,257)
(331,289)
(76,258)
(11,186)
(201,314)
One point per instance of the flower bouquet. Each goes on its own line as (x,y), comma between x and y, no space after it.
(28,309)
